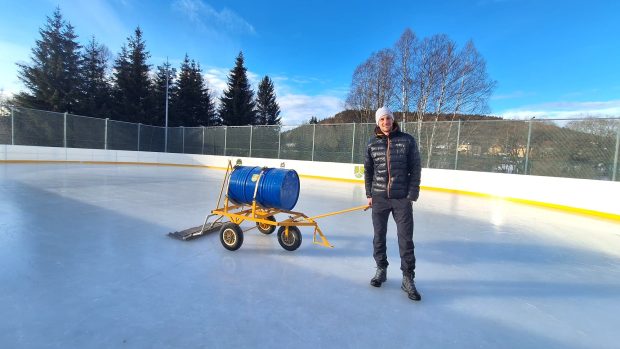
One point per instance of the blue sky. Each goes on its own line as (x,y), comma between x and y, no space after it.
(550,58)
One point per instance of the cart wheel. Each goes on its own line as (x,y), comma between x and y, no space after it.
(292,242)
(267,228)
(231,236)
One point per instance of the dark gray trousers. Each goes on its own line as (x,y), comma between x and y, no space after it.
(402,212)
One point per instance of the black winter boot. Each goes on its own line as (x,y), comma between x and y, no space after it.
(409,287)
(380,277)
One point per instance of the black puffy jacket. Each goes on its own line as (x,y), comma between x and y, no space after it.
(392,165)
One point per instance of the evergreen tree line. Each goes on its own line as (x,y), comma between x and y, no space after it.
(64,76)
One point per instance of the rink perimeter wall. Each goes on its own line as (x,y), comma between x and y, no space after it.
(582,196)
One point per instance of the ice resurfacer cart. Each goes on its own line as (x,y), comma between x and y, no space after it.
(257,195)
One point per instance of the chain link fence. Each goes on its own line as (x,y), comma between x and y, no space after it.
(574,148)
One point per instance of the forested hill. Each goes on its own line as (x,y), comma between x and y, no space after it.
(349,116)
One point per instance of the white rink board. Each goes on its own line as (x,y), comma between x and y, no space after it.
(577,193)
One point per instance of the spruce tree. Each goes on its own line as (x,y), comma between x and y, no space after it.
(236,104)
(207,115)
(159,93)
(95,91)
(208,105)
(131,82)
(193,102)
(187,100)
(196,108)
(267,109)
(52,79)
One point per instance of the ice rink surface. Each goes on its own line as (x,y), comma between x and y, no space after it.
(85,262)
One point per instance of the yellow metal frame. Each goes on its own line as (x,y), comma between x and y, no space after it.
(255,213)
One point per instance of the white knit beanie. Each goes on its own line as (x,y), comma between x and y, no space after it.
(383,111)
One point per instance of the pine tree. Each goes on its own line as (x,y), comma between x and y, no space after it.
(52,79)
(95,92)
(267,109)
(131,82)
(159,93)
(236,104)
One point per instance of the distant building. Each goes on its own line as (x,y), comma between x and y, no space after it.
(469,149)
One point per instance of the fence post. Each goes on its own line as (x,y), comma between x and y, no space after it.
(313,134)
(613,175)
(279,134)
(64,130)
(225,138)
(105,135)
(353,146)
(527,147)
(139,124)
(458,139)
(12,126)
(202,149)
(183,139)
(251,133)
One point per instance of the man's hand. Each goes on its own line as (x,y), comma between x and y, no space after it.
(369,202)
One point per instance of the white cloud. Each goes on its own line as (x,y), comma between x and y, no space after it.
(217,80)
(209,19)
(565,110)
(11,54)
(298,108)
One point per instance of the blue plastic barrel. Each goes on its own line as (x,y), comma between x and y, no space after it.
(278,188)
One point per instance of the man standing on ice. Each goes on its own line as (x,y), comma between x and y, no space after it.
(392,177)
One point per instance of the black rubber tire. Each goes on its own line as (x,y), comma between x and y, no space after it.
(294,238)
(267,228)
(231,236)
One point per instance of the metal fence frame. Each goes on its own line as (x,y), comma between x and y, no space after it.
(344,143)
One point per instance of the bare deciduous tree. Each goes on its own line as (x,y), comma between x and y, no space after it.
(431,77)
(475,87)
(469,88)
(448,82)
(595,126)
(360,94)
(372,85)
(385,87)
(405,54)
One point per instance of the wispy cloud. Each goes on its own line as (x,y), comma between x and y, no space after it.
(217,79)
(96,17)
(512,95)
(208,18)
(580,94)
(298,108)
(295,108)
(491,2)
(125,3)
(565,110)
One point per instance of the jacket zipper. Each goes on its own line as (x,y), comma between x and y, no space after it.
(388,166)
